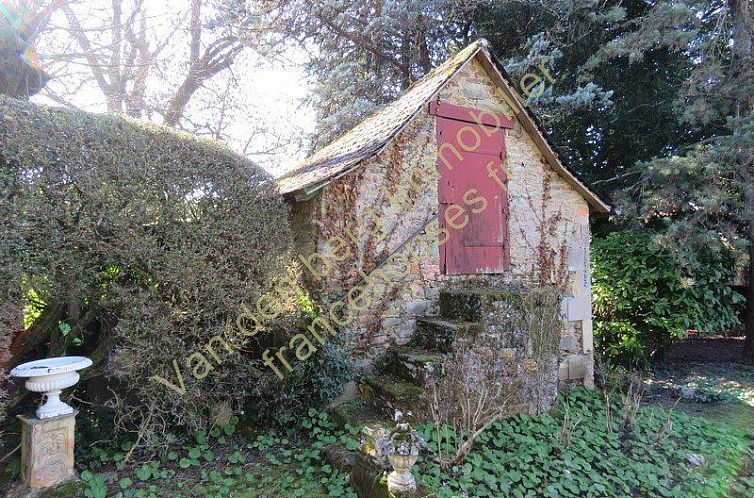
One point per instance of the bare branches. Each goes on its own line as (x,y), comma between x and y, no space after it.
(218,56)
(95,65)
(124,54)
(474,394)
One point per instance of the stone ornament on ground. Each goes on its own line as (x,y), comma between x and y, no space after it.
(401,447)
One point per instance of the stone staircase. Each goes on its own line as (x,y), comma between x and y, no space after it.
(403,373)
(400,378)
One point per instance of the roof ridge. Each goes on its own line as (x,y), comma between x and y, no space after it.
(373,134)
(463,54)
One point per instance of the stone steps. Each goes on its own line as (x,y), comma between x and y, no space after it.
(402,378)
(470,305)
(385,393)
(445,335)
(415,365)
(357,413)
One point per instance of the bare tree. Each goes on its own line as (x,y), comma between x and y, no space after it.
(190,64)
(127,44)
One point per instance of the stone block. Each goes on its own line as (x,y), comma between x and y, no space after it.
(417,307)
(70,488)
(414,365)
(563,371)
(577,308)
(529,366)
(475,91)
(576,258)
(576,367)
(589,371)
(445,335)
(339,457)
(368,478)
(47,450)
(568,343)
(388,393)
(587,336)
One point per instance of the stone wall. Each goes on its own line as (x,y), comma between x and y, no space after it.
(389,199)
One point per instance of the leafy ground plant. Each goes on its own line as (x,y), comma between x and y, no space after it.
(224,463)
(667,454)
(525,456)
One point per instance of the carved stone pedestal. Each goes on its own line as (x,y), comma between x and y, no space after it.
(47,450)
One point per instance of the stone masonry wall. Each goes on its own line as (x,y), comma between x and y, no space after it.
(391,197)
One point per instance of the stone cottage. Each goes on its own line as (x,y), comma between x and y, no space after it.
(453,185)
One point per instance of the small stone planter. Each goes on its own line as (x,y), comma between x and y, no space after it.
(47,440)
(401,480)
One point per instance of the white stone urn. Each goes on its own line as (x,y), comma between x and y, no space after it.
(401,480)
(49,377)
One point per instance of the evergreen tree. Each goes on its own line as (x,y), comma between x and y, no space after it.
(602,117)
(702,197)
(364,53)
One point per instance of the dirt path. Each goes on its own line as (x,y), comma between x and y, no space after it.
(706,350)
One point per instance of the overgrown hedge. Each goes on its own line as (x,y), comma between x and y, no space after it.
(135,244)
(645,296)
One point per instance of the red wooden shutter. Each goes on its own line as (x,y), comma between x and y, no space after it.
(473,192)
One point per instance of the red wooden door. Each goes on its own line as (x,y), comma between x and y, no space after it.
(473,191)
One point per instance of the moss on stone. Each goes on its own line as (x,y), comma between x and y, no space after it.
(73,488)
(391,393)
(368,478)
(414,365)
(339,457)
(445,335)
(462,305)
(356,414)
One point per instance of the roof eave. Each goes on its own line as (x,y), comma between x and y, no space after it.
(535,133)
(494,69)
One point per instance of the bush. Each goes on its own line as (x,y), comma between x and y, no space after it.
(5,337)
(646,297)
(312,384)
(135,244)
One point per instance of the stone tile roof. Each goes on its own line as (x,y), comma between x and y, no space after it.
(368,138)
(372,134)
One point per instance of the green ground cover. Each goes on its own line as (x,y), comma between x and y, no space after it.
(676,449)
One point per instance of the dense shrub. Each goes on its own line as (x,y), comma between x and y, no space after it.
(5,337)
(645,296)
(10,292)
(312,384)
(134,245)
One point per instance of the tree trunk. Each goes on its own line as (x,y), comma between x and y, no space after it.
(748,355)
(40,331)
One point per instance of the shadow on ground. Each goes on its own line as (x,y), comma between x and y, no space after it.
(703,377)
